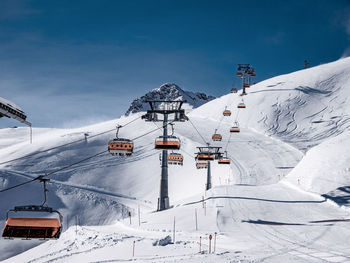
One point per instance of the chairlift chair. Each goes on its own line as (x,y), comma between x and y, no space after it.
(33,227)
(175,158)
(205,156)
(216,136)
(235,127)
(201,165)
(241,105)
(226,112)
(120,146)
(252,74)
(224,159)
(169,142)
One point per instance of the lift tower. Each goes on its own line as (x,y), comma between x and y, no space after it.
(208,153)
(245,71)
(171,112)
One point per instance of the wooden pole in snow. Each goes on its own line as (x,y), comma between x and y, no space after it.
(200,244)
(196,219)
(210,238)
(133,248)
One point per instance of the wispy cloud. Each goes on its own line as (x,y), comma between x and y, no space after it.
(13,9)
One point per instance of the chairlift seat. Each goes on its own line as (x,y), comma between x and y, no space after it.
(120,146)
(224,161)
(226,113)
(202,165)
(171,143)
(235,129)
(216,137)
(205,157)
(175,158)
(241,106)
(32,228)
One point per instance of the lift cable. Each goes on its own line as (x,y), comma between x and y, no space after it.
(228,141)
(182,150)
(236,119)
(217,128)
(198,131)
(66,144)
(18,185)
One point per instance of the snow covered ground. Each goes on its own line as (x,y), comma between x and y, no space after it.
(261,207)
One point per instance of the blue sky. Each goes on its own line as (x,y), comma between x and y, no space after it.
(71,63)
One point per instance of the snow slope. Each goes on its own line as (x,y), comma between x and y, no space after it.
(257,206)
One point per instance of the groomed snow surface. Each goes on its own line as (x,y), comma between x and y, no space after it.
(284,198)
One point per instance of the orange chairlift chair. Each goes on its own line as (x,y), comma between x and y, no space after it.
(120,146)
(33,227)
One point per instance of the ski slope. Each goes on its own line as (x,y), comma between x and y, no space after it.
(267,206)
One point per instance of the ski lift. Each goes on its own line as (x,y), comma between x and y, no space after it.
(175,158)
(246,85)
(216,136)
(201,165)
(239,74)
(120,146)
(224,159)
(234,90)
(241,105)
(33,227)
(205,156)
(226,112)
(252,74)
(169,142)
(235,127)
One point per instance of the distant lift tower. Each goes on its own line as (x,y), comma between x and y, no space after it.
(170,112)
(10,110)
(246,72)
(208,153)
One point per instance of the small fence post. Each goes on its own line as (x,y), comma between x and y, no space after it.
(210,238)
(200,244)
(196,219)
(133,248)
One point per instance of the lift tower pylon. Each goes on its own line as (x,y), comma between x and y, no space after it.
(171,112)
(246,72)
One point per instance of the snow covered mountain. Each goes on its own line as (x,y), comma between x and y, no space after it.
(283,198)
(169,91)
